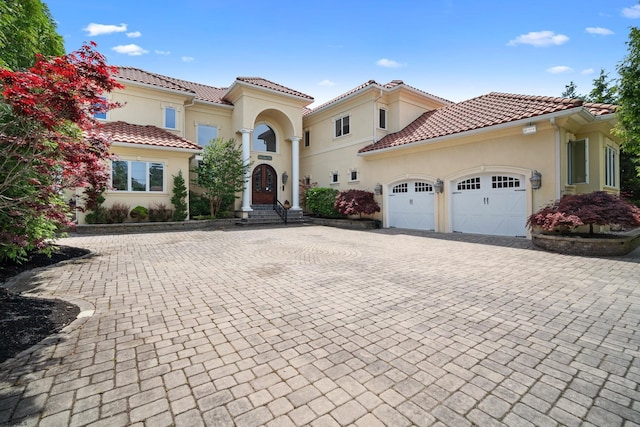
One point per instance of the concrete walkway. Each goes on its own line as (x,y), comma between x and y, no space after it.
(320,326)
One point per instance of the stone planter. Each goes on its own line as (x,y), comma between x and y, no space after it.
(352,224)
(600,245)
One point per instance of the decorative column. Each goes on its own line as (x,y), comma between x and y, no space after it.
(246,158)
(295,173)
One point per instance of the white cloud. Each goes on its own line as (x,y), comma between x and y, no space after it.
(631,12)
(94,29)
(599,31)
(559,69)
(587,71)
(326,82)
(388,63)
(130,49)
(187,59)
(162,52)
(539,39)
(134,34)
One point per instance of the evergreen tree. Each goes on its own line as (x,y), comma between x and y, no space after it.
(602,92)
(570,91)
(628,128)
(179,198)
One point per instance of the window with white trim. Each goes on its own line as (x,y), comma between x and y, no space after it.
(264,139)
(353,175)
(101,115)
(400,188)
(170,118)
(422,187)
(610,165)
(469,184)
(129,175)
(205,134)
(578,162)
(382,118)
(498,181)
(342,126)
(335,177)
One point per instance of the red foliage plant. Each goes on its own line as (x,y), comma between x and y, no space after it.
(574,210)
(49,137)
(356,202)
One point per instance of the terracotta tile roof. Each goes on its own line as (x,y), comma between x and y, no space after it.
(146,135)
(481,112)
(197,90)
(259,81)
(392,84)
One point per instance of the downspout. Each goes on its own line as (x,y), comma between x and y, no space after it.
(558,153)
(374,117)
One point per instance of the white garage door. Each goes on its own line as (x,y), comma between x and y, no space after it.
(490,204)
(411,205)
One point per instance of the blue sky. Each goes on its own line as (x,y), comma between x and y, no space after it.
(455,49)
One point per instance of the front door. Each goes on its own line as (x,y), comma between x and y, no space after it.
(264,185)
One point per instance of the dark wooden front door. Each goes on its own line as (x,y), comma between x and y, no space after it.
(264,184)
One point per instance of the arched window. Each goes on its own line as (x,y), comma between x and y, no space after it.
(264,139)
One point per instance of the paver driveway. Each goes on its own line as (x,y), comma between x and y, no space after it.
(321,326)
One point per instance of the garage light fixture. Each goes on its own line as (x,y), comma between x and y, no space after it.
(438,186)
(378,189)
(536,180)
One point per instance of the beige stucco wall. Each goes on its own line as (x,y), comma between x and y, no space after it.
(173,161)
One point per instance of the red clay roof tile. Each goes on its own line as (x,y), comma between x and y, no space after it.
(146,135)
(259,81)
(481,112)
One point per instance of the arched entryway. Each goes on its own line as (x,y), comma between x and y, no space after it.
(264,185)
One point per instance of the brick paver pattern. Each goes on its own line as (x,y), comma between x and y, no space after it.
(325,327)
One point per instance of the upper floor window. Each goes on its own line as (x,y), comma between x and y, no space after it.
(342,126)
(170,118)
(382,122)
(610,165)
(129,175)
(264,139)
(307,141)
(206,134)
(578,162)
(101,115)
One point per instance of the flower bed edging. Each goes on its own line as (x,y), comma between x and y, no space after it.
(612,245)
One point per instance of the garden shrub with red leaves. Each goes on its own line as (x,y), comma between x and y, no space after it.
(50,141)
(356,202)
(574,210)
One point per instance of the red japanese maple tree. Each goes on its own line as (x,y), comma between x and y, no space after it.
(49,141)
(596,208)
(356,202)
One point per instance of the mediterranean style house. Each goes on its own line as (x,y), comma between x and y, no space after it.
(477,166)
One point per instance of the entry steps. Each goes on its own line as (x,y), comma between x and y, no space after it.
(266,214)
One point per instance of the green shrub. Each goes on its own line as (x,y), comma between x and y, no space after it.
(139,213)
(98,216)
(160,213)
(117,213)
(321,201)
(198,205)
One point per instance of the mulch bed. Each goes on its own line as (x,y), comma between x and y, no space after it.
(25,321)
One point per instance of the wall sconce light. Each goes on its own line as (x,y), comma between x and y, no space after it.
(285,177)
(378,189)
(438,186)
(536,180)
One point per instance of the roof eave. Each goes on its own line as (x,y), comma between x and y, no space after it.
(155,147)
(217,104)
(580,110)
(188,94)
(340,100)
(266,89)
